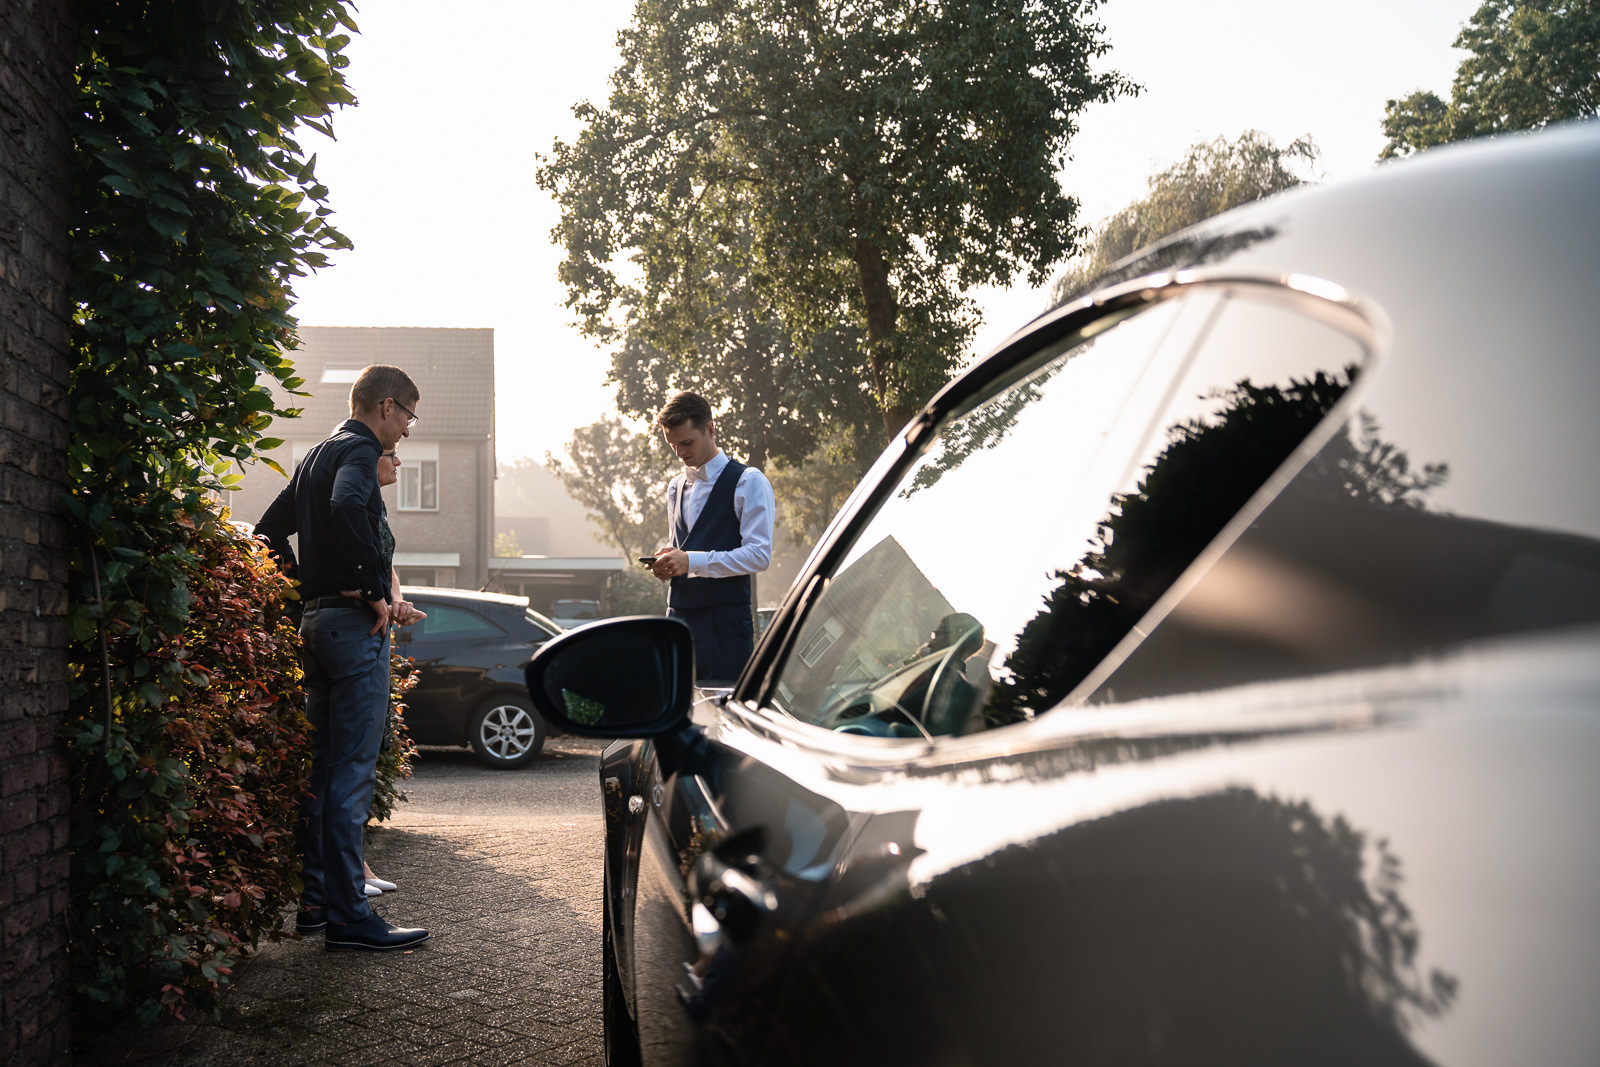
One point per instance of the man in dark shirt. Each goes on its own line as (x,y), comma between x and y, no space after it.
(332,503)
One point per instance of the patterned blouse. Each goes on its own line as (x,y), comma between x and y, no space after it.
(386,542)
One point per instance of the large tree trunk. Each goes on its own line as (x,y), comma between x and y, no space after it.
(882,336)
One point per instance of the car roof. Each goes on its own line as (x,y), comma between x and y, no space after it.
(1472,264)
(1458,207)
(464,596)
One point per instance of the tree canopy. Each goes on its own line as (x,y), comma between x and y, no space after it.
(773,400)
(851,169)
(1211,178)
(618,475)
(1532,62)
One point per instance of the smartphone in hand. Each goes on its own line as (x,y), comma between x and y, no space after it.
(648,561)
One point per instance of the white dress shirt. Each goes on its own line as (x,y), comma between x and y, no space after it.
(752,503)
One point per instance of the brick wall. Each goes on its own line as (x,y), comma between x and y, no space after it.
(36,50)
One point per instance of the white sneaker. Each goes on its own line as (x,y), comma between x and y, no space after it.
(372,890)
(386,887)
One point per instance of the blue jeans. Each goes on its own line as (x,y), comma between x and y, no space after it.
(347,702)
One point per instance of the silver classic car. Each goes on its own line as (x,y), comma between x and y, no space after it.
(1209,675)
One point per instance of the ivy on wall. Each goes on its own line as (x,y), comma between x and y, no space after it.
(195,208)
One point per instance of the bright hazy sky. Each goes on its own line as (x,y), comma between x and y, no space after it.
(432,175)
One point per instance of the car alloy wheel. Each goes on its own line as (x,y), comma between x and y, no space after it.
(506,732)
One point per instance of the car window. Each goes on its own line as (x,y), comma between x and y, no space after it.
(548,625)
(446,623)
(577,609)
(1046,523)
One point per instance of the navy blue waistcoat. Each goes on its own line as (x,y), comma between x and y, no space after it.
(716,530)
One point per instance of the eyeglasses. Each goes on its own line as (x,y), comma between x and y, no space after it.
(390,455)
(412,416)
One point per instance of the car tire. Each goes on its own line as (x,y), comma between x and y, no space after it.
(621,1032)
(506,732)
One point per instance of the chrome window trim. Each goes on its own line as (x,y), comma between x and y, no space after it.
(752,699)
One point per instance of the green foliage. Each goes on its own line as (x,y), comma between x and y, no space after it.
(774,400)
(803,414)
(505,545)
(182,823)
(193,210)
(620,477)
(633,592)
(848,168)
(809,494)
(1211,178)
(1532,62)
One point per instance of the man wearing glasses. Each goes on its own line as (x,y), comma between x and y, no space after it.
(332,503)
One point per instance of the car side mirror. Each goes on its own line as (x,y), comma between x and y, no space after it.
(626,677)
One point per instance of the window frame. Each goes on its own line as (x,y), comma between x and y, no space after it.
(413,483)
(1075,323)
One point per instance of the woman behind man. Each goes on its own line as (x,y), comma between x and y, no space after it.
(401,611)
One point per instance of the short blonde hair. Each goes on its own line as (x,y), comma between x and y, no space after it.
(379,382)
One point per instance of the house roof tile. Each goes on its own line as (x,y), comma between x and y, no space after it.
(453,369)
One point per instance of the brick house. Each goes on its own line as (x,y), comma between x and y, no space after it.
(442,511)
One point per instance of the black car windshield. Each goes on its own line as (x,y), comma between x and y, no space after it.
(1048,520)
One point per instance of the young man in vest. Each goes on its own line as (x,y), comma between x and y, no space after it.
(719,514)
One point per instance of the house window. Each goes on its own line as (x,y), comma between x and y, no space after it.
(419,485)
(821,642)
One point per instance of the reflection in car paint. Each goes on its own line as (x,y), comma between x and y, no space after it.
(1299,764)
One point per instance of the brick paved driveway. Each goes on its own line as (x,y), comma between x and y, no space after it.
(504,868)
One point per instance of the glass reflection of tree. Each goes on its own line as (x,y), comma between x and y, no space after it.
(1369,470)
(1250,929)
(1205,474)
(984,428)
(1228,928)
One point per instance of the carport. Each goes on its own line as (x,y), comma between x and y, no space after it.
(543,579)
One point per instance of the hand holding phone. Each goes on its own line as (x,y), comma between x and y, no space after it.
(648,561)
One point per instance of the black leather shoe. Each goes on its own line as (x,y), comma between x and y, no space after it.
(309,921)
(370,933)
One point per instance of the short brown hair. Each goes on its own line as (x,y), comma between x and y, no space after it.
(684,407)
(379,382)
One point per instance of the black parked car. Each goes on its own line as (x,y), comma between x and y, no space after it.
(471,651)
(1211,675)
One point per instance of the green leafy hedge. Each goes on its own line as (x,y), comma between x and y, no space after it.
(182,828)
(394,759)
(194,210)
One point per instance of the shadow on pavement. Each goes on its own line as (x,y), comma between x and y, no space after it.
(510,975)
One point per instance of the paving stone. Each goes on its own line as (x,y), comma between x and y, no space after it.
(508,884)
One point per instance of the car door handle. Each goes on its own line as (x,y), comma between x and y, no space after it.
(730,901)
(730,896)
